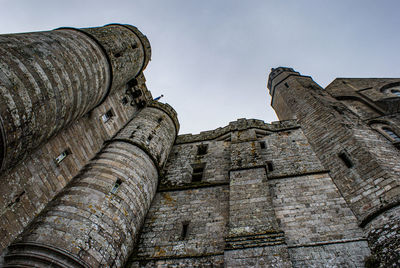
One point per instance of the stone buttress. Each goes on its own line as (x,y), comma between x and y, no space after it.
(95,220)
(342,124)
(50,79)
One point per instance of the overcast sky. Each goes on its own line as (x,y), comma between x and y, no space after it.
(211,58)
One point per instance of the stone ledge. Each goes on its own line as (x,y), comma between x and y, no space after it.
(240,124)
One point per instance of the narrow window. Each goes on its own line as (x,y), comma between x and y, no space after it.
(262,144)
(270,167)
(346,159)
(202,149)
(149,138)
(132,134)
(392,135)
(160,119)
(198,172)
(117,184)
(286,85)
(62,156)
(124,100)
(185,228)
(107,116)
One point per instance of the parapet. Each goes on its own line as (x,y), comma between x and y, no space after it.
(240,124)
(169,110)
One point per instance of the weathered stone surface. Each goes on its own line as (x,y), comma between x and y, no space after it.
(318,189)
(50,79)
(345,126)
(28,187)
(96,218)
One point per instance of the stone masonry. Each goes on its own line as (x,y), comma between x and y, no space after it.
(94,173)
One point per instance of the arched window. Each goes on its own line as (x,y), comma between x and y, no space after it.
(392,135)
(396,92)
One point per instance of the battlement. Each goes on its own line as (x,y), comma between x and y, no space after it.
(240,124)
(169,110)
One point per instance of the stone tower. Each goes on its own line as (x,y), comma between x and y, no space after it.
(352,126)
(94,173)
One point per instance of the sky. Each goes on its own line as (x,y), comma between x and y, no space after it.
(211,58)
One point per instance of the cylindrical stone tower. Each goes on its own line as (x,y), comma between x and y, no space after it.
(94,221)
(49,79)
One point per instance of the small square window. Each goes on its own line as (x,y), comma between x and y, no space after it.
(107,116)
(62,156)
(202,149)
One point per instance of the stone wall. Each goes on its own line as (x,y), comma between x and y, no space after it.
(242,213)
(27,188)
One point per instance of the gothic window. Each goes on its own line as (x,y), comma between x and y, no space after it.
(386,131)
(396,92)
(392,88)
(391,134)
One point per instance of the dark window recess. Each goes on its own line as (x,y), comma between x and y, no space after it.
(107,116)
(270,166)
(202,149)
(286,85)
(160,119)
(124,101)
(134,46)
(117,184)
(132,83)
(185,229)
(262,144)
(391,134)
(198,171)
(149,138)
(118,54)
(346,159)
(132,134)
(62,156)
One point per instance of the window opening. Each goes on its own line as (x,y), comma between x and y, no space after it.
(185,228)
(124,101)
(346,159)
(198,172)
(391,134)
(62,156)
(270,166)
(149,138)
(117,184)
(202,149)
(396,92)
(107,116)
(160,119)
(262,144)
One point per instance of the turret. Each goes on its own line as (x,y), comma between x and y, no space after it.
(50,79)
(95,220)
